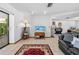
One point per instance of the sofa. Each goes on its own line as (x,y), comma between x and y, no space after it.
(67,48)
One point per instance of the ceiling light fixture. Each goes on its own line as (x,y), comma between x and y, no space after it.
(45,12)
(32,12)
(49,4)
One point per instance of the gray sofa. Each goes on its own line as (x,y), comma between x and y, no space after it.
(67,48)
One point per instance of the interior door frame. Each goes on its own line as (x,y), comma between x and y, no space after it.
(7,26)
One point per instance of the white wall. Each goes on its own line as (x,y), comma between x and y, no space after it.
(46,21)
(18,17)
(15,31)
(77,24)
(66,24)
(76,21)
(40,20)
(11,29)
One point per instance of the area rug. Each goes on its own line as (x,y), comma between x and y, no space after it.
(34,49)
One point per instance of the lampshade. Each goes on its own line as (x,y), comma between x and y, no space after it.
(24,25)
(21,25)
(25,21)
(27,25)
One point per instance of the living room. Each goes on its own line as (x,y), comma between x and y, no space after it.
(30,27)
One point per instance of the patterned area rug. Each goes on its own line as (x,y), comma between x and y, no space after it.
(34,49)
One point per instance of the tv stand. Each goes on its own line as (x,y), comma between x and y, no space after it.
(39,34)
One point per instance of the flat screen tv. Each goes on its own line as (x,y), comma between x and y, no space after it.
(40,28)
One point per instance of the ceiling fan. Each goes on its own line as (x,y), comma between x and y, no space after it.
(49,4)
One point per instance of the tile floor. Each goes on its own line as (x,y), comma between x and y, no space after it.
(11,49)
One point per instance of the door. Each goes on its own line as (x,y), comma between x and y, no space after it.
(4,32)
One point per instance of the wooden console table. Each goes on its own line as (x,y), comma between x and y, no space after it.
(39,34)
(25,36)
(25,33)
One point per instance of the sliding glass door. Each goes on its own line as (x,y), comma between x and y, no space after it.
(4,32)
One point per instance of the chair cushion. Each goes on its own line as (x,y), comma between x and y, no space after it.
(75,42)
(68,37)
(68,44)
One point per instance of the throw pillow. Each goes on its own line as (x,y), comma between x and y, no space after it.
(75,42)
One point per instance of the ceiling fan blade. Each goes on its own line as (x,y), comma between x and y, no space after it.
(49,4)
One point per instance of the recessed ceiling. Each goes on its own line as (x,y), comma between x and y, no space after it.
(39,8)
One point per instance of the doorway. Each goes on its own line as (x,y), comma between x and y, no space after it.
(4,26)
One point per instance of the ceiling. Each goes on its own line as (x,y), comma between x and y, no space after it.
(41,8)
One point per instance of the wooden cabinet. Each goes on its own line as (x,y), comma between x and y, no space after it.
(25,34)
(39,34)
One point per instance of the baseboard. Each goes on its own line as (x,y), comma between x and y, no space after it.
(28,38)
(35,37)
(17,41)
